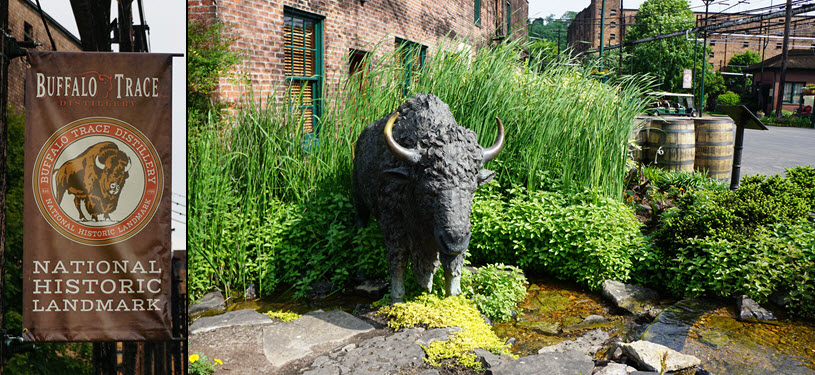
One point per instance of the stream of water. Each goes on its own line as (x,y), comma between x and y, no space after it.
(554,311)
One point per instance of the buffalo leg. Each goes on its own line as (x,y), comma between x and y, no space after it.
(452,284)
(77,203)
(452,265)
(397,271)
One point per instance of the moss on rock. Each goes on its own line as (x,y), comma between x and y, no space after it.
(432,312)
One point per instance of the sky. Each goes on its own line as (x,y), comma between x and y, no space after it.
(543,8)
(168,34)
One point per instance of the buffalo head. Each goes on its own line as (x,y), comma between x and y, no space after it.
(113,168)
(445,169)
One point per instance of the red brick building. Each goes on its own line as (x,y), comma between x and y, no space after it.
(584,32)
(301,42)
(25,24)
(767,77)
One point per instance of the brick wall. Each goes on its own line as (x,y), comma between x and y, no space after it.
(21,12)
(348,24)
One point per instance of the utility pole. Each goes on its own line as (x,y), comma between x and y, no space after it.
(693,72)
(779,94)
(704,63)
(4,61)
(602,32)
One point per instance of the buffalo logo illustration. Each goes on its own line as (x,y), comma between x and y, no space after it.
(98,181)
(96,177)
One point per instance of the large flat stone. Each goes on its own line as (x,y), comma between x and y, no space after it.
(283,343)
(210,303)
(650,357)
(566,363)
(232,318)
(587,344)
(672,325)
(632,298)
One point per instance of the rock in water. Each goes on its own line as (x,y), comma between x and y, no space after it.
(211,303)
(567,363)
(651,356)
(632,298)
(587,344)
(750,310)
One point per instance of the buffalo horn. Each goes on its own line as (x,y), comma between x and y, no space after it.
(127,167)
(491,152)
(98,164)
(407,154)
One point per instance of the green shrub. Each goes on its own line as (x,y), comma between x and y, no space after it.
(779,258)
(496,290)
(724,214)
(728,98)
(585,238)
(322,244)
(686,180)
(756,240)
(210,56)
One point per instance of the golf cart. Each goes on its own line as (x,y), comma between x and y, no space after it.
(671,104)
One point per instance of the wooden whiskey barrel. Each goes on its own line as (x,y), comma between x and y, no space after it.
(673,136)
(714,146)
(639,136)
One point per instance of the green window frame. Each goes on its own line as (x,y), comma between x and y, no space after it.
(477,12)
(303,71)
(413,58)
(792,92)
(509,18)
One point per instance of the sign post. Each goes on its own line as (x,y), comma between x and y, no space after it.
(97,257)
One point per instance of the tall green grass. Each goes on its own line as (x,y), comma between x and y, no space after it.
(252,176)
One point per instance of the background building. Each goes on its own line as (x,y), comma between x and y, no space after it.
(309,44)
(767,78)
(25,24)
(584,32)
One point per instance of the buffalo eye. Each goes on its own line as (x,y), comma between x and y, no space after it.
(484,176)
(399,174)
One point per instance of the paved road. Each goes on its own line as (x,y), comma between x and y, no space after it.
(770,152)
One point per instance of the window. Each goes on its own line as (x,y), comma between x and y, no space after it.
(413,57)
(613,12)
(778,45)
(302,46)
(356,62)
(509,18)
(746,44)
(477,12)
(712,42)
(792,92)
(613,24)
(612,36)
(28,32)
(711,54)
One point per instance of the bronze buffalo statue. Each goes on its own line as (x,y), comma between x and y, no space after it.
(96,176)
(416,171)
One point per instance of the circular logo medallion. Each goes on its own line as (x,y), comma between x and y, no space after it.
(98,181)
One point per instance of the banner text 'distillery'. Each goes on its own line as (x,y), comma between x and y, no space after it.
(133,279)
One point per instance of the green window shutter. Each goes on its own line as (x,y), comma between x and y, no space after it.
(303,67)
(413,58)
(509,18)
(477,12)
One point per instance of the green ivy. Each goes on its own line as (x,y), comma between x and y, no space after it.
(584,238)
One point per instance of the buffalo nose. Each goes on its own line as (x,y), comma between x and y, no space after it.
(453,243)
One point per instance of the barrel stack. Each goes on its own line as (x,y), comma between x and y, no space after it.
(685,144)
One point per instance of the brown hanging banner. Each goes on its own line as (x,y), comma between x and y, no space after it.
(97,257)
